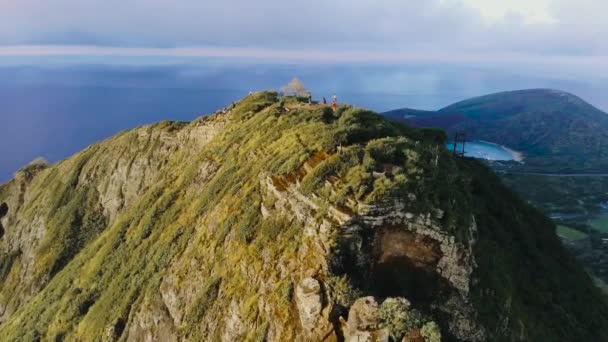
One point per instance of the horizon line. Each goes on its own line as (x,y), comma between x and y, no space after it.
(354,55)
(547,65)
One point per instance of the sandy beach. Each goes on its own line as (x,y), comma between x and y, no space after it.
(517,156)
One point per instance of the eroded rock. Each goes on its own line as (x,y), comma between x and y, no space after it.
(234,329)
(310,302)
(152,323)
(363,323)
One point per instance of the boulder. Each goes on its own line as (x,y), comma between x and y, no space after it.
(363,323)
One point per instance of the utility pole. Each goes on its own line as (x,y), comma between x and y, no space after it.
(464,141)
(459,137)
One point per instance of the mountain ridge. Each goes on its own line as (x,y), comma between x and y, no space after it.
(277,220)
(556,130)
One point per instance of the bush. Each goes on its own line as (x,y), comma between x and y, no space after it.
(398,318)
(430,332)
(357,125)
(344,292)
(387,150)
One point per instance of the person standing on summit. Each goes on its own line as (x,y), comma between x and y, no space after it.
(334,103)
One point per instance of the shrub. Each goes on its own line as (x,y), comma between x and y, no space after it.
(357,125)
(344,292)
(387,150)
(430,332)
(398,318)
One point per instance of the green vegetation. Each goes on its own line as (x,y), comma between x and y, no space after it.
(403,321)
(561,196)
(154,211)
(554,128)
(6,263)
(600,224)
(557,131)
(114,265)
(430,332)
(574,202)
(398,318)
(525,273)
(570,233)
(345,293)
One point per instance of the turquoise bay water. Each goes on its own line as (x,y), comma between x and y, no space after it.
(484,150)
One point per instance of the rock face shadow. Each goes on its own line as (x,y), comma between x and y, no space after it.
(397,278)
(391,261)
(3,212)
(404,264)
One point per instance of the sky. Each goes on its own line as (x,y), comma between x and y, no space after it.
(76,71)
(565,37)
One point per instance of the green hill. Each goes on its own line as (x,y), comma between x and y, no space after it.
(277,220)
(557,131)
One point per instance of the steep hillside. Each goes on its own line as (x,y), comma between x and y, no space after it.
(555,130)
(426,118)
(275,220)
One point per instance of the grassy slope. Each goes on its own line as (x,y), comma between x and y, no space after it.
(528,284)
(98,284)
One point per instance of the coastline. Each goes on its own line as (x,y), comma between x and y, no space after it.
(517,156)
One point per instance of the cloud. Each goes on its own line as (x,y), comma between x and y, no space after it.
(237,22)
(480,30)
(228,22)
(536,11)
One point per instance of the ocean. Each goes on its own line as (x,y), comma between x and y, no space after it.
(53,111)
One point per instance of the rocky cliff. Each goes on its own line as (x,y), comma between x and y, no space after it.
(281,221)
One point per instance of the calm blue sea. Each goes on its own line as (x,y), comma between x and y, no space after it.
(54,111)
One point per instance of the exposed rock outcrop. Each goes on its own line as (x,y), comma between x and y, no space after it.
(234,328)
(309,299)
(364,322)
(152,323)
